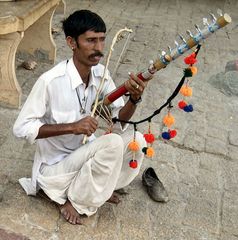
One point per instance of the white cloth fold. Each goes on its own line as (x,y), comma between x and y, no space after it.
(88,176)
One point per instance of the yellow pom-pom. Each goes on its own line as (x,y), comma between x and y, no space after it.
(134,146)
(150,152)
(168,120)
(186,91)
(194,70)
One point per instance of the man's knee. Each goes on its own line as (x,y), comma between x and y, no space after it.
(114,141)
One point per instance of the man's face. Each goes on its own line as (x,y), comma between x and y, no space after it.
(90,48)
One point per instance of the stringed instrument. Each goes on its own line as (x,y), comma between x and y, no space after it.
(166,57)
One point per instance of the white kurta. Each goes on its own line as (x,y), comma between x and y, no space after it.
(52,100)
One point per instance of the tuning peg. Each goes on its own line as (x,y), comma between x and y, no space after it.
(176,43)
(163,53)
(151,64)
(170,49)
(182,38)
(214,19)
(219,12)
(159,53)
(197,28)
(205,22)
(189,33)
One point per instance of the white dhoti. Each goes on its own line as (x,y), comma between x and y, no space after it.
(89,175)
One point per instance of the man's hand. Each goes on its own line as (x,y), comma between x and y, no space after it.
(135,86)
(87,126)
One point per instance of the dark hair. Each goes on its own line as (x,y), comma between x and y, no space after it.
(81,21)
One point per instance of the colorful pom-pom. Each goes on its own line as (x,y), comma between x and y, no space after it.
(172,133)
(165,135)
(144,149)
(182,104)
(186,91)
(134,146)
(149,137)
(194,70)
(191,59)
(150,152)
(188,72)
(168,120)
(188,108)
(133,163)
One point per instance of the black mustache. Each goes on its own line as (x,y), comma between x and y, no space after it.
(97,54)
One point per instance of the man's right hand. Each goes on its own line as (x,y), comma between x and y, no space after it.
(87,126)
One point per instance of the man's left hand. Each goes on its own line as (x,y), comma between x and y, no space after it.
(135,86)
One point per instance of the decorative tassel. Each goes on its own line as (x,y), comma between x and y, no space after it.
(134,146)
(149,137)
(144,149)
(150,152)
(182,104)
(194,70)
(165,135)
(133,163)
(169,120)
(191,59)
(172,133)
(188,72)
(188,108)
(186,91)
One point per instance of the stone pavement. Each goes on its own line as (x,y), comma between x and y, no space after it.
(199,167)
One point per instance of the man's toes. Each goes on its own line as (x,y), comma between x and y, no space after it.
(115,199)
(65,214)
(67,217)
(78,221)
(74,220)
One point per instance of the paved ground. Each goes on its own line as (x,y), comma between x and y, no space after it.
(199,167)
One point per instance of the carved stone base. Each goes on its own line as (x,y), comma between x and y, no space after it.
(10,91)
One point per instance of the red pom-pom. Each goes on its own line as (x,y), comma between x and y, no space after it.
(149,138)
(133,163)
(190,60)
(172,133)
(182,104)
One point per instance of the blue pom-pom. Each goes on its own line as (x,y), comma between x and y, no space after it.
(166,135)
(188,108)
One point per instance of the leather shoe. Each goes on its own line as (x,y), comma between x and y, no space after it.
(154,186)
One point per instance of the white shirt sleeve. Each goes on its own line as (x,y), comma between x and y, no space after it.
(30,118)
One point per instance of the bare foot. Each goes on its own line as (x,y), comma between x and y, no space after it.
(69,213)
(114,199)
